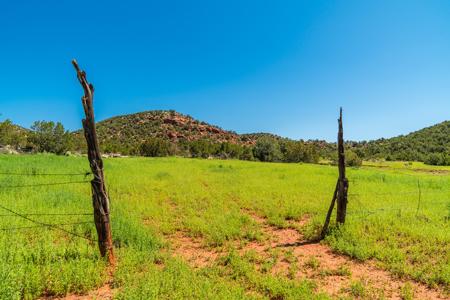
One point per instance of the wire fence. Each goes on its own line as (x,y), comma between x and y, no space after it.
(22,213)
(415,201)
(35,173)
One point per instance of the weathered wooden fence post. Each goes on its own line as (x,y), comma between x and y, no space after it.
(343,181)
(330,211)
(99,196)
(340,192)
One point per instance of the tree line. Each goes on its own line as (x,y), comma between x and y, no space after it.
(44,136)
(430,145)
(265,149)
(52,137)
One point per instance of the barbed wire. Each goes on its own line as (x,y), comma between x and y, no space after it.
(48,225)
(87,173)
(400,193)
(383,194)
(43,184)
(40,226)
(49,214)
(372,211)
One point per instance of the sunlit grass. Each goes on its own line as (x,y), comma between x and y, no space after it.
(210,199)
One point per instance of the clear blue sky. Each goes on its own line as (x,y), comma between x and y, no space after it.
(274,66)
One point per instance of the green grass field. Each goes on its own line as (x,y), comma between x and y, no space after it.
(210,199)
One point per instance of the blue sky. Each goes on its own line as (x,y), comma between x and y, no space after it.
(274,66)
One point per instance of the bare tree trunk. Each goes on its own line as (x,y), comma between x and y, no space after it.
(343,182)
(100,198)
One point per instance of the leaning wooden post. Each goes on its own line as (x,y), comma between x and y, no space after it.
(343,182)
(99,196)
(330,211)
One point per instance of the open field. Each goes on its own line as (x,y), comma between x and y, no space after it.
(187,228)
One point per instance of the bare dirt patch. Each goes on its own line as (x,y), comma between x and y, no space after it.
(192,250)
(103,293)
(334,274)
(431,171)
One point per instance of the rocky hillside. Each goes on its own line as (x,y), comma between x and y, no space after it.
(130,131)
(169,125)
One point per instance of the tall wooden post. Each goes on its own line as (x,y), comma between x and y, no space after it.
(100,198)
(343,182)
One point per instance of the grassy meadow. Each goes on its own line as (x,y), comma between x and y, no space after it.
(152,198)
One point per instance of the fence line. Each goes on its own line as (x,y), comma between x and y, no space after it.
(399,193)
(40,226)
(367,212)
(414,207)
(46,174)
(43,224)
(42,184)
(50,214)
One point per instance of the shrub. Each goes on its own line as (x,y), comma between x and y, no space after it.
(247,153)
(203,148)
(49,137)
(299,152)
(438,159)
(155,147)
(352,159)
(11,134)
(267,149)
(434,159)
(228,150)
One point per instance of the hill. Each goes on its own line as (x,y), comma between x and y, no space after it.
(431,145)
(126,133)
(180,134)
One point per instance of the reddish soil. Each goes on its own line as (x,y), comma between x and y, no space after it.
(103,293)
(193,250)
(332,273)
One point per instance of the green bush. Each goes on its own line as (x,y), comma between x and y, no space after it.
(203,148)
(247,154)
(352,159)
(229,150)
(11,134)
(155,147)
(299,152)
(267,149)
(438,159)
(49,137)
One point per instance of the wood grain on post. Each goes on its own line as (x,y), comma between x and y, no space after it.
(343,182)
(100,197)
